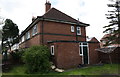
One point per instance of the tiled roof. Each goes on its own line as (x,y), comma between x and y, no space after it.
(106,50)
(58,15)
(103,38)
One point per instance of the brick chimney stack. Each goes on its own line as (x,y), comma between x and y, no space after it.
(47,6)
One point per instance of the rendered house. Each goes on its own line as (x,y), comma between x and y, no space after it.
(65,36)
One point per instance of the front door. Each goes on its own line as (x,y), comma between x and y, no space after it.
(85,54)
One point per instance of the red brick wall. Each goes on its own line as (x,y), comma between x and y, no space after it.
(67,55)
(35,40)
(65,29)
(59,28)
(93,54)
(55,28)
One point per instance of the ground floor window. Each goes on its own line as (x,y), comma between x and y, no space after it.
(52,50)
(82,47)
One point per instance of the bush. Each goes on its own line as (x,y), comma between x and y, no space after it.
(17,56)
(36,59)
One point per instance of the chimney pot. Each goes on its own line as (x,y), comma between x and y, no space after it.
(47,6)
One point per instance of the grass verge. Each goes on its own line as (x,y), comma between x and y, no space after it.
(106,69)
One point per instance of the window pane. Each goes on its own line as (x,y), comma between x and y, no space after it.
(80,50)
(27,35)
(72,28)
(52,50)
(80,43)
(84,43)
(78,31)
(34,30)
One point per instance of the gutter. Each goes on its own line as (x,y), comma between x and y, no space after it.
(61,21)
(52,20)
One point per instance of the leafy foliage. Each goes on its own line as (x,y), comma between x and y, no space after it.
(17,55)
(36,59)
(113,29)
(10,34)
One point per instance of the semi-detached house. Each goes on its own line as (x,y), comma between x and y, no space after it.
(64,35)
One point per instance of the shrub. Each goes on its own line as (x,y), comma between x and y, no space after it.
(36,59)
(17,56)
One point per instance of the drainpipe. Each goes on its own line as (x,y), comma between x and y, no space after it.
(42,29)
(76,29)
(76,34)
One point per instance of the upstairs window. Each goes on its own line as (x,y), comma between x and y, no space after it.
(27,35)
(34,31)
(52,50)
(72,28)
(78,31)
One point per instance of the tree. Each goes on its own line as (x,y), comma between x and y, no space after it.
(10,34)
(0,34)
(1,24)
(113,29)
(0,38)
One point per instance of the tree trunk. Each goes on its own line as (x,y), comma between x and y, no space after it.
(110,59)
(9,46)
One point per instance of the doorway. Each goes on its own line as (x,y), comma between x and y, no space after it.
(84,53)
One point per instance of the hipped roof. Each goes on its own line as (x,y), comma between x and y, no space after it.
(55,15)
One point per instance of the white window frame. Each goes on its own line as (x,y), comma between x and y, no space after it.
(27,35)
(23,39)
(52,50)
(34,30)
(79,28)
(72,29)
(81,49)
(81,45)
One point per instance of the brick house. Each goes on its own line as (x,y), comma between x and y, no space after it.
(103,41)
(65,36)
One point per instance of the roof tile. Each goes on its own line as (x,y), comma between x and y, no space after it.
(58,15)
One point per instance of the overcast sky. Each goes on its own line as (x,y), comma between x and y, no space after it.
(88,11)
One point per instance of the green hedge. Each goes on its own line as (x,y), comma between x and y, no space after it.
(36,59)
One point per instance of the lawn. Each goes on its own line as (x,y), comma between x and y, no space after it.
(106,69)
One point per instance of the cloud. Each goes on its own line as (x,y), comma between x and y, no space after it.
(70,7)
(21,12)
(9,5)
(95,15)
(88,11)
